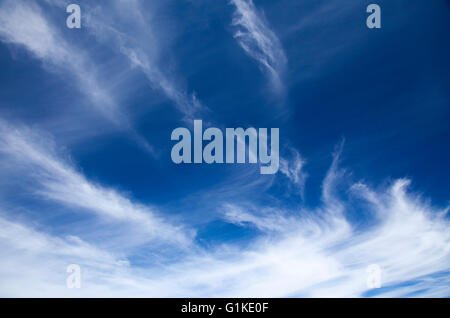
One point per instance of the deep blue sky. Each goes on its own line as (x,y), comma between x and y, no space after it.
(384,94)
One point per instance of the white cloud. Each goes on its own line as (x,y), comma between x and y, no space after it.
(140,45)
(259,41)
(266,220)
(57,180)
(25,25)
(34,263)
(293,169)
(315,252)
(321,253)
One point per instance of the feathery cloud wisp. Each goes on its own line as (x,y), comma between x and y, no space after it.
(60,182)
(315,252)
(259,41)
(25,25)
(142,50)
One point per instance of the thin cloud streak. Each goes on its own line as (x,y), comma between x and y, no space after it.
(60,182)
(26,26)
(294,169)
(259,41)
(142,50)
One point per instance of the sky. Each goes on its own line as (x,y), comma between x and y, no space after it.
(86,175)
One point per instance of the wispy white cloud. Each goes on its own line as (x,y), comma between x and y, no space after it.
(294,169)
(314,252)
(331,181)
(37,261)
(267,220)
(58,180)
(142,49)
(408,239)
(258,40)
(25,25)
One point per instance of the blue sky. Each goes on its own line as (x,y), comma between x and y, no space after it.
(87,178)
